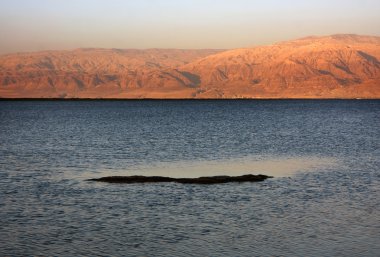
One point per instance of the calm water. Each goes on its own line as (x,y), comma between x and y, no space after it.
(323,201)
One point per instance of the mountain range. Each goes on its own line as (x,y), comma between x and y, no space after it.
(336,66)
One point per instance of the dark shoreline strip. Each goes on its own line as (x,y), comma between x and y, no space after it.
(2,99)
(200,180)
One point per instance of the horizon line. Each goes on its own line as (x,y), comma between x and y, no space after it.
(174,48)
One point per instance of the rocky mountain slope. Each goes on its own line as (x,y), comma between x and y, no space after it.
(338,66)
(91,72)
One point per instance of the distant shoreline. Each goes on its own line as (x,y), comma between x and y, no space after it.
(180,99)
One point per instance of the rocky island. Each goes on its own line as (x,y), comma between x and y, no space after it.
(200,180)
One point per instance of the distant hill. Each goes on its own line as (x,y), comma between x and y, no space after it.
(337,66)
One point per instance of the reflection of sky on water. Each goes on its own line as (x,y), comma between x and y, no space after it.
(329,206)
(273,166)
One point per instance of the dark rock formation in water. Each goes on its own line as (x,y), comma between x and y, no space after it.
(200,180)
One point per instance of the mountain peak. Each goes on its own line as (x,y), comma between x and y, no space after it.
(335,66)
(341,38)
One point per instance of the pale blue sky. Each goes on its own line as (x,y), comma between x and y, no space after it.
(29,25)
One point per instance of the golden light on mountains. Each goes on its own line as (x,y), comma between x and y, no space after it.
(337,66)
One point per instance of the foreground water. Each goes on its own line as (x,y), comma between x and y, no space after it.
(323,201)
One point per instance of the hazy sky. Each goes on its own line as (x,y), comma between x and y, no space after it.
(29,25)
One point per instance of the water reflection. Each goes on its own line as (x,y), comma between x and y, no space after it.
(329,206)
(274,166)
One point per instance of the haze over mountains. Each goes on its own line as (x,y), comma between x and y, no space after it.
(337,66)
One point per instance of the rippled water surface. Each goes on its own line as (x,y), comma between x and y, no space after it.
(323,201)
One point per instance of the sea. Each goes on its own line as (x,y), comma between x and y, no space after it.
(323,199)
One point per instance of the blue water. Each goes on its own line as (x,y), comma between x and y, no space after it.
(326,204)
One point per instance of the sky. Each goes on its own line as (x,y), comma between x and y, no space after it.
(33,25)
